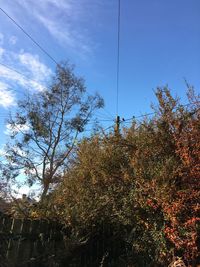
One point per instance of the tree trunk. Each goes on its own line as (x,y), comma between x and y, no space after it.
(44,192)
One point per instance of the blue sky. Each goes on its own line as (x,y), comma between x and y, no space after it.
(159,45)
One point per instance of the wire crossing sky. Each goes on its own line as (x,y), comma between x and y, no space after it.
(29,36)
(46,53)
(154,43)
(118,54)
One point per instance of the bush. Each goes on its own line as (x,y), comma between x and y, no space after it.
(143,183)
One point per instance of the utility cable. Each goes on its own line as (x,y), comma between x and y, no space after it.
(37,44)
(28,79)
(118,55)
(29,36)
(18,72)
(153,113)
(21,74)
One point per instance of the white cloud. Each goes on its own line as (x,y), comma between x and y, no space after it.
(36,73)
(12,40)
(15,129)
(7,97)
(11,76)
(66,36)
(33,191)
(63,4)
(56,31)
(1,52)
(45,4)
(63,19)
(38,70)
(1,38)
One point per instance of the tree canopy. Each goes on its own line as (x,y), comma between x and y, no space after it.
(45,128)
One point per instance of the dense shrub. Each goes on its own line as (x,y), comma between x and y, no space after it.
(143,183)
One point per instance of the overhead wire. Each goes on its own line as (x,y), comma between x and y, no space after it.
(140,116)
(32,80)
(53,59)
(147,114)
(154,113)
(20,73)
(29,36)
(33,40)
(118,55)
(103,115)
(102,120)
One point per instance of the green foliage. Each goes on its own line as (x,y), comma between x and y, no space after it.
(141,187)
(45,129)
(133,182)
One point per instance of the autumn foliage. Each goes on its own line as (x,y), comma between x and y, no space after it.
(143,182)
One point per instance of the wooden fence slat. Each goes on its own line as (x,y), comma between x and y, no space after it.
(17,225)
(31,242)
(7,224)
(2,224)
(12,245)
(24,243)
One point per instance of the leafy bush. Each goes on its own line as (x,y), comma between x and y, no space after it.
(143,183)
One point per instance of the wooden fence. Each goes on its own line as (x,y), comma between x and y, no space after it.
(26,242)
(40,243)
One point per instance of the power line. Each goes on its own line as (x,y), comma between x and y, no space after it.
(6,116)
(20,73)
(29,36)
(32,80)
(140,116)
(110,116)
(33,40)
(8,67)
(153,113)
(125,120)
(118,50)
(107,114)
(129,119)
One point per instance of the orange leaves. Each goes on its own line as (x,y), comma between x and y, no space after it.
(192,222)
(152,203)
(182,221)
(146,179)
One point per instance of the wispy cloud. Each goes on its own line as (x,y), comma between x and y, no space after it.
(15,129)
(7,97)
(13,40)
(62,4)
(1,52)
(63,36)
(36,74)
(64,20)
(1,38)
(38,70)
(44,4)
(10,76)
